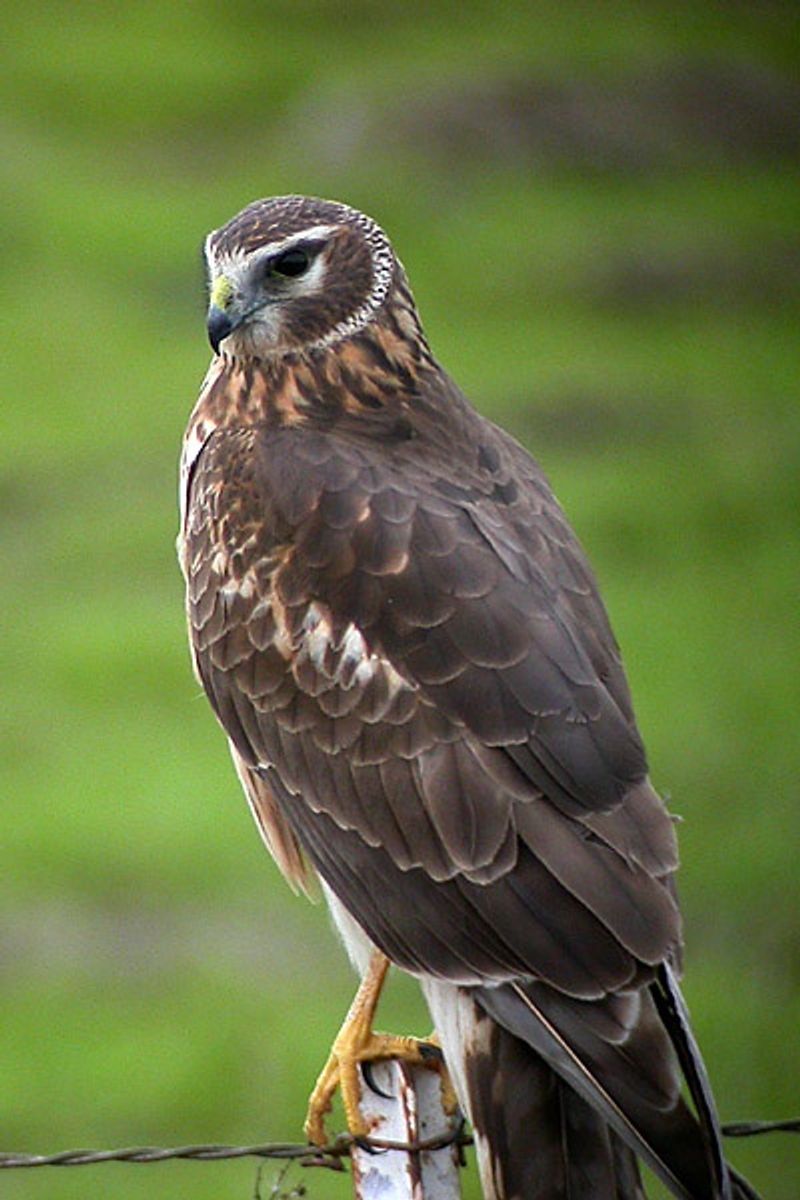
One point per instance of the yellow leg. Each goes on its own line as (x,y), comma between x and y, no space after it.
(356,1043)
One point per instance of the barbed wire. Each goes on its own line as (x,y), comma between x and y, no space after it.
(329,1156)
(737,1129)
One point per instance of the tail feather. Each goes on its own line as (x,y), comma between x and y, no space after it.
(541,1140)
(675,1016)
(633,1082)
(646,1119)
(563,1098)
(535,1138)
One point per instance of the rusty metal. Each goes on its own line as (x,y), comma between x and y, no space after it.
(405,1107)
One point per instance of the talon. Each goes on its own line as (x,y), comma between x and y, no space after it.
(356,1045)
(369,1079)
(431,1052)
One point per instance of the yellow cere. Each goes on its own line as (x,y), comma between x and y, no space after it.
(221,292)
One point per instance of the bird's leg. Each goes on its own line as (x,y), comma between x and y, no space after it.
(357,1043)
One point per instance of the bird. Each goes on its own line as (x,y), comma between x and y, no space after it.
(403,641)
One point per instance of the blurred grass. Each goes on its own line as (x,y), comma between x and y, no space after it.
(598,208)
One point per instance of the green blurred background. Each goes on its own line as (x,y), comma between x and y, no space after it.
(598,209)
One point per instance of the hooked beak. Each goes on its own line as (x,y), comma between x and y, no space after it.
(219,325)
(219,321)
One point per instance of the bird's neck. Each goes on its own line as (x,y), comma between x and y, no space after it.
(375,369)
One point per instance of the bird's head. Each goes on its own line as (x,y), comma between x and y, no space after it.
(294,273)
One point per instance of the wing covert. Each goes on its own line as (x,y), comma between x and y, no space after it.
(488,607)
(374,657)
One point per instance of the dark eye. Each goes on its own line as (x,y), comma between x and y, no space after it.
(290,263)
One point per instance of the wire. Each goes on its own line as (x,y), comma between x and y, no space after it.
(309,1156)
(755,1128)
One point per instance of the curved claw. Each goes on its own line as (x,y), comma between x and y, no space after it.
(369,1079)
(357,1044)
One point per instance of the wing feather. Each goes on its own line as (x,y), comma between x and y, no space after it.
(370,645)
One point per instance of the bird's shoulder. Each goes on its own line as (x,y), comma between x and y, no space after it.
(429,446)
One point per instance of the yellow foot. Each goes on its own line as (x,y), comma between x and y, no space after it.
(356,1044)
(350,1051)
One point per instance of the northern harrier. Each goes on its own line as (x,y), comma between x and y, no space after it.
(402,639)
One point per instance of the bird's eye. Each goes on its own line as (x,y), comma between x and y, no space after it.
(290,264)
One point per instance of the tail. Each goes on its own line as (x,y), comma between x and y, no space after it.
(563,1096)
(535,1138)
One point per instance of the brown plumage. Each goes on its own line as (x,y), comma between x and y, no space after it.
(403,641)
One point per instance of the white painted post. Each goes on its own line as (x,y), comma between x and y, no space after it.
(413,1114)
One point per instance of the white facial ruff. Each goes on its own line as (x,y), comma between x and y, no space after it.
(383,261)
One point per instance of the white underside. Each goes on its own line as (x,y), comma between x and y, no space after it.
(358,945)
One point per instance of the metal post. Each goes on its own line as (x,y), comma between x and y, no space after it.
(412,1113)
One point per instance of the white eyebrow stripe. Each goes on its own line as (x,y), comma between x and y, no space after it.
(273,249)
(239,260)
(316,231)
